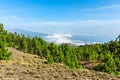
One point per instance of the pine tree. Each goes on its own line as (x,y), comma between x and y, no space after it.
(61,56)
(49,57)
(24,44)
(4,54)
(54,51)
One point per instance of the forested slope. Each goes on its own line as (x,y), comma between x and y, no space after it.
(106,55)
(23,66)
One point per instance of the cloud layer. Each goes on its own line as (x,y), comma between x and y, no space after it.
(62,38)
(115,22)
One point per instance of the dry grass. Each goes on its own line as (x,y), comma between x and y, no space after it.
(23,66)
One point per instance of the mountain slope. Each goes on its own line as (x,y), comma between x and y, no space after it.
(23,66)
(27,32)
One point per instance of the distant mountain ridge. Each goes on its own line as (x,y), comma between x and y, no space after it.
(27,32)
(59,38)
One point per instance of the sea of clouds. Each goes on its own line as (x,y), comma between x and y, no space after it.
(60,38)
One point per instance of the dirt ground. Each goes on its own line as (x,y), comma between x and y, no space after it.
(23,66)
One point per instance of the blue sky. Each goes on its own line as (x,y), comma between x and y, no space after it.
(62,16)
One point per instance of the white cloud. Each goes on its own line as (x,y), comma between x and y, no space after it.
(59,38)
(8,17)
(114,6)
(79,23)
(62,38)
(55,24)
(110,7)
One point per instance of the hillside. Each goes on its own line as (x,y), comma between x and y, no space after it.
(23,66)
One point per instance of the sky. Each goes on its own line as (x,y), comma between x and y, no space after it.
(89,17)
